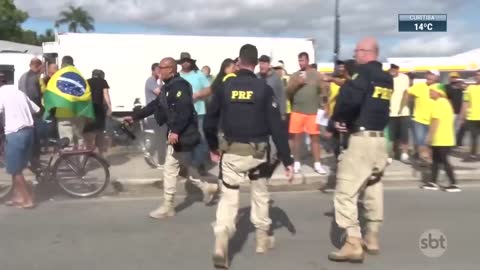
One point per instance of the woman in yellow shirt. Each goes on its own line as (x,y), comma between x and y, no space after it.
(441,137)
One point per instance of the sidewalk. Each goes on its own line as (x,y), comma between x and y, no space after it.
(132,172)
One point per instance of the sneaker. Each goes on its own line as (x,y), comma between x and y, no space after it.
(404,157)
(319,168)
(452,188)
(389,161)
(430,186)
(296,167)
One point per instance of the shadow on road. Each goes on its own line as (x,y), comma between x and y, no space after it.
(118,159)
(44,191)
(194,194)
(279,219)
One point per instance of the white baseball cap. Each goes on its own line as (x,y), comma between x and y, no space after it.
(277,64)
(434,72)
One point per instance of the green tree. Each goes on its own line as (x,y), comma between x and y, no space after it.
(28,37)
(11,19)
(48,36)
(76,18)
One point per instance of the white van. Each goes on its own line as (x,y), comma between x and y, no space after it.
(14,65)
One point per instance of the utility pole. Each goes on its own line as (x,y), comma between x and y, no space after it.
(336,44)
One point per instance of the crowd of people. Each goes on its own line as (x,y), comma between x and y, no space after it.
(232,118)
(300,97)
(412,136)
(31,119)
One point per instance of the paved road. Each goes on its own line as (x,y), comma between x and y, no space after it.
(106,234)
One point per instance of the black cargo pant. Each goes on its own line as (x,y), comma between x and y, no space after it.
(158,140)
(474,128)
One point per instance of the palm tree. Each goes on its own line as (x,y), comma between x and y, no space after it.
(76,17)
(48,36)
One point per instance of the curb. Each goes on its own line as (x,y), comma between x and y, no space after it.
(301,182)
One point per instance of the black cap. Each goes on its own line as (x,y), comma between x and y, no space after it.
(184,57)
(97,73)
(393,66)
(339,62)
(264,58)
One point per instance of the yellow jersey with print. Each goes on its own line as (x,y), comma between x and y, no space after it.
(444,135)
(422,109)
(332,97)
(285,79)
(472,96)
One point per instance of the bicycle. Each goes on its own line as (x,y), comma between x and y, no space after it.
(146,133)
(81,162)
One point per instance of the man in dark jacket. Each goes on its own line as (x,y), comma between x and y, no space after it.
(174,106)
(455,95)
(29,83)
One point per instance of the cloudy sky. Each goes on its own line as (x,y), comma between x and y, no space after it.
(286,18)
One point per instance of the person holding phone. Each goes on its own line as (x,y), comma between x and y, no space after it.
(307,90)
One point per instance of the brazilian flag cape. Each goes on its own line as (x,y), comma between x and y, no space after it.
(439,88)
(69,94)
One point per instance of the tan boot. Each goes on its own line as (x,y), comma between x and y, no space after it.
(264,241)
(351,251)
(220,253)
(167,209)
(209,191)
(371,243)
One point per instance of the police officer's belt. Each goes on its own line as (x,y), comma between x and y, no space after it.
(255,149)
(369,133)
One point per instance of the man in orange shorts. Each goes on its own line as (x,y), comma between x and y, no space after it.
(305,88)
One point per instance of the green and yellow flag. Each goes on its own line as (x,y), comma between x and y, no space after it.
(439,88)
(69,93)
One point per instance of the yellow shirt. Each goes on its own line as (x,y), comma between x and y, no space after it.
(422,110)
(445,134)
(285,79)
(332,98)
(472,96)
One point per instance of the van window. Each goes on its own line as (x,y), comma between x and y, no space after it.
(9,71)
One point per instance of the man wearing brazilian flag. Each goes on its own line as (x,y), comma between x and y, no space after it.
(68,94)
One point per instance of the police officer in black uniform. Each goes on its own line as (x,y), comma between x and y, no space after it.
(174,106)
(247,110)
(363,110)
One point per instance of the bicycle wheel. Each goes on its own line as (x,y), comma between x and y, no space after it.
(6,185)
(70,172)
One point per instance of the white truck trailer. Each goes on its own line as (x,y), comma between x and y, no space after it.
(126,58)
(15,64)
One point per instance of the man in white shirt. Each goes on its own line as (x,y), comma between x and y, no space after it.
(399,114)
(17,110)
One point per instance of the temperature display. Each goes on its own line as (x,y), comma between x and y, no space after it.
(422,22)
